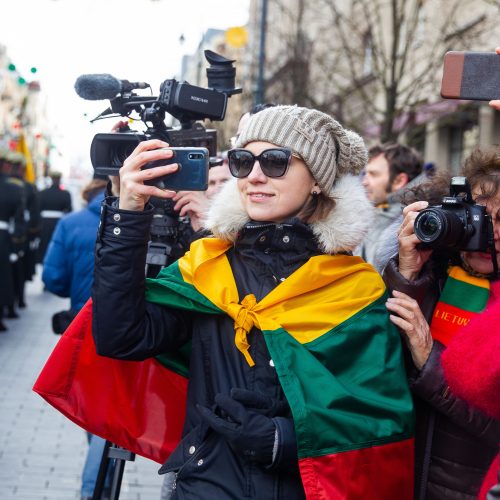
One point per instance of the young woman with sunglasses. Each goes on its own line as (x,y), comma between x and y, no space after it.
(295,382)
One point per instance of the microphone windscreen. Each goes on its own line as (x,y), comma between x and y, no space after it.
(97,87)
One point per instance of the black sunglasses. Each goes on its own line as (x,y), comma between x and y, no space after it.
(274,162)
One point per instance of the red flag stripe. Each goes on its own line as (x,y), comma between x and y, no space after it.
(379,473)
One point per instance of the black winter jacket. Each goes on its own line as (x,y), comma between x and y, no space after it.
(454,443)
(125,326)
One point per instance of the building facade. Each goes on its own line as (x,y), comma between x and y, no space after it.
(377,66)
(23,115)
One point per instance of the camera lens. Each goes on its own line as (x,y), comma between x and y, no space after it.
(439,228)
(429,225)
(119,152)
(108,152)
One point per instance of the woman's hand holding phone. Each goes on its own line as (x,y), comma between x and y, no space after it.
(134,194)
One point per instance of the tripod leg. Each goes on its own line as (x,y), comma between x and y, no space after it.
(116,481)
(103,469)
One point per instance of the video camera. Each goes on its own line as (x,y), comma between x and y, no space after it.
(457,224)
(188,103)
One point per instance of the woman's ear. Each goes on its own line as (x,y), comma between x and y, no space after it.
(315,189)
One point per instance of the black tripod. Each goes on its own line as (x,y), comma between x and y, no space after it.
(119,455)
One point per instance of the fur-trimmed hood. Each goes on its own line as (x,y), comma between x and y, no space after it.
(342,230)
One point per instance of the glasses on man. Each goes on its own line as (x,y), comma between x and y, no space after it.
(273,162)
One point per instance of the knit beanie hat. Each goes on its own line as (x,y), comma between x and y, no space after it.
(329,150)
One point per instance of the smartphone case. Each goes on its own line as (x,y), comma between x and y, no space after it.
(192,174)
(471,75)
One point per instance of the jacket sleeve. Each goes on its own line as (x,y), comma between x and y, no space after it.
(18,236)
(425,289)
(56,274)
(124,324)
(67,202)
(417,289)
(285,457)
(35,222)
(430,385)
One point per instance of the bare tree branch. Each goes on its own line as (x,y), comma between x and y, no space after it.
(372,60)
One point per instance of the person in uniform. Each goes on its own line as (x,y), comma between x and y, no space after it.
(54,203)
(25,266)
(12,232)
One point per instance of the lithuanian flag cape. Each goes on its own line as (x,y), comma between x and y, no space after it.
(337,356)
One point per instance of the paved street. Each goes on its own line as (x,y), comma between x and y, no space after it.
(42,452)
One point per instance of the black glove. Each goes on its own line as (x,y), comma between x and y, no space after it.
(256,401)
(247,429)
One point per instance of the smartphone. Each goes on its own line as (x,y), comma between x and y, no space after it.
(108,151)
(192,174)
(471,75)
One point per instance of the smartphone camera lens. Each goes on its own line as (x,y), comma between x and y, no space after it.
(195,156)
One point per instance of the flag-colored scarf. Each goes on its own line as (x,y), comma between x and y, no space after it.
(337,356)
(463,297)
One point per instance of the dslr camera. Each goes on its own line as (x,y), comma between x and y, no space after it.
(457,224)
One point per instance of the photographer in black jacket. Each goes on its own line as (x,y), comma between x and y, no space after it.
(433,300)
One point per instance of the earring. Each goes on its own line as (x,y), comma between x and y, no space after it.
(315,193)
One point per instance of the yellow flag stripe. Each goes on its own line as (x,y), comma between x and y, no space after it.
(459,274)
(320,295)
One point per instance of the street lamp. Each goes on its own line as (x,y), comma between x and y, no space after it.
(260,91)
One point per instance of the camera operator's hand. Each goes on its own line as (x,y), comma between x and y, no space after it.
(134,194)
(120,126)
(496,103)
(411,258)
(194,204)
(409,318)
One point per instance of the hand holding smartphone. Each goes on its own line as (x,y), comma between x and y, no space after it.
(471,75)
(108,152)
(192,174)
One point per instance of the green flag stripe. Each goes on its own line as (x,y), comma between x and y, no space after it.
(177,361)
(170,289)
(464,295)
(184,296)
(347,389)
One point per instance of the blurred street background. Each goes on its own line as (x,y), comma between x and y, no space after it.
(41,451)
(376,66)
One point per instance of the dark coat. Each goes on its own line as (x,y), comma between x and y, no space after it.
(263,255)
(54,203)
(455,443)
(12,204)
(69,261)
(33,230)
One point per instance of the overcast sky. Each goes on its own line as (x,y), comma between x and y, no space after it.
(137,40)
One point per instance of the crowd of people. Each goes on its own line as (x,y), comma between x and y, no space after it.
(27,218)
(310,371)
(329,349)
